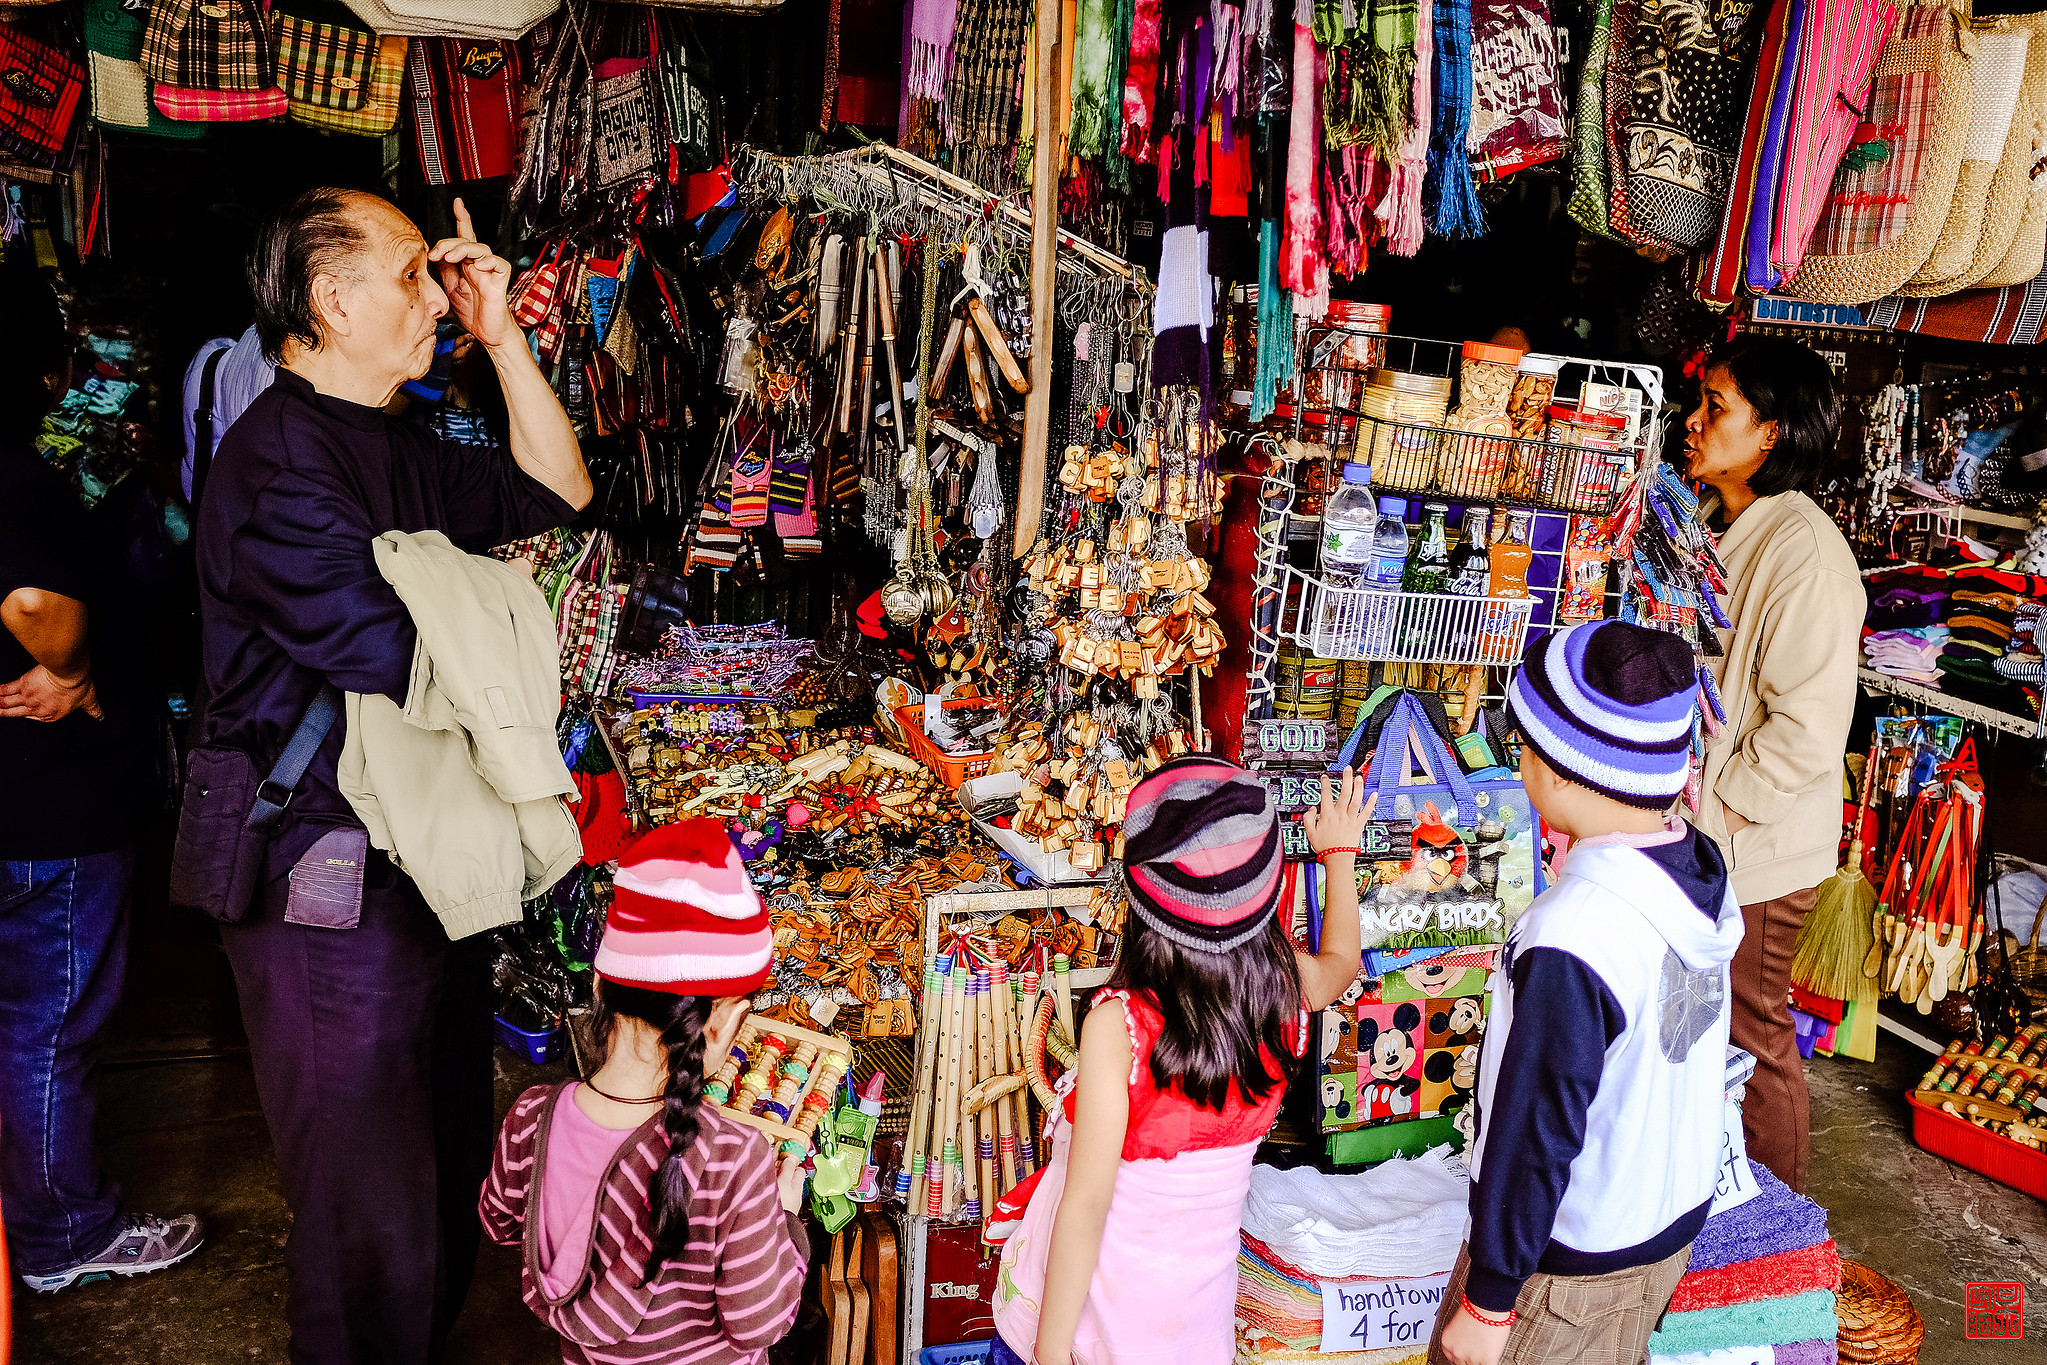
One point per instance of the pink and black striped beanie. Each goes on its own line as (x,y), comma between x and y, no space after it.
(684,915)
(1201,853)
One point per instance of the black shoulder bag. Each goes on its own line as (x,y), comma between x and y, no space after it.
(224,828)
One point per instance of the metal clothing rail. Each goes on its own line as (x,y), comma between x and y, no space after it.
(882,166)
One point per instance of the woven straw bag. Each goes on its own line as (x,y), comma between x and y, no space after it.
(2015,214)
(714,6)
(506,19)
(1999,72)
(1889,201)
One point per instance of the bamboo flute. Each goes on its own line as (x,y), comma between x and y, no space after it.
(949,1092)
(1027,1009)
(990,1189)
(1006,1158)
(910,1180)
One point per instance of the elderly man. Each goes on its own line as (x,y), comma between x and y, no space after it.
(371,1044)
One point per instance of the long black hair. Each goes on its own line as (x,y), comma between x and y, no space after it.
(681,1022)
(1789,384)
(1224,1013)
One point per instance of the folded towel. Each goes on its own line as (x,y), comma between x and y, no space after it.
(1766,1322)
(1770,1277)
(1797,1353)
(1775,1220)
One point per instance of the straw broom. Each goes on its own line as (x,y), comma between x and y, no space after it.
(1837,936)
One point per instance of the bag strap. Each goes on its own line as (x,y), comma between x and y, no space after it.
(202,425)
(274,793)
(1409,735)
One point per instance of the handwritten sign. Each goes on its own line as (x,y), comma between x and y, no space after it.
(1291,741)
(1736,1184)
(1371,1315)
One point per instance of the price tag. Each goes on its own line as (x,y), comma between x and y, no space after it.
(823,1010)
(1736,1184)
(1371,1315)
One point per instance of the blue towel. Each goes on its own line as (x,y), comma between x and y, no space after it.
(1775,1220)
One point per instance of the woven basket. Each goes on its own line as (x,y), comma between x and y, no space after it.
(502,19)
(1998,71)
(2015,211)
(714,6)
(1930,38)
(2029,967)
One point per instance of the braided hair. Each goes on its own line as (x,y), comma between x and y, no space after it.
(681,1020)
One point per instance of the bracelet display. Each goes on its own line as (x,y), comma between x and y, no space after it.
(1322,853)
(1489,1319)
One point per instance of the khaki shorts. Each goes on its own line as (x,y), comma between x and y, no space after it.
(1589,1320)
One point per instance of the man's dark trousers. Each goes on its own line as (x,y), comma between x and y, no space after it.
(372,1050)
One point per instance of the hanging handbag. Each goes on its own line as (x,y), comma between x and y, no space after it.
(219,45)
(688,110)
(120,87)
(506,19)
(41,91)
(337,74)
(464,96)
(225,824)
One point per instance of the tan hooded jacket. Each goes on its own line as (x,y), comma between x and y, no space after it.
(1787,681)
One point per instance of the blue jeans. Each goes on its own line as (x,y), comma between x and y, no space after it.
(64,943)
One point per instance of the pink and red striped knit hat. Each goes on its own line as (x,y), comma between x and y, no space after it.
(684,916)
(1201,853)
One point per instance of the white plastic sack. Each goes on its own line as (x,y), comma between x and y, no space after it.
(1399,1220)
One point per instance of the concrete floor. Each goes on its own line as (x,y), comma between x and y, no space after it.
(188,1135)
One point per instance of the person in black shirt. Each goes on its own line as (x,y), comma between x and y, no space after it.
(74,737)
(371,1044)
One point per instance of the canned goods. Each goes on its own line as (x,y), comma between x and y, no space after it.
(1306,685)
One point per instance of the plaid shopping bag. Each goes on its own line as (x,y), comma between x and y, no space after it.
(338,75)
(41,91)
(209,45)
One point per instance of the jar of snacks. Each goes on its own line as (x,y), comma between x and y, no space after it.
(1401,404)
(1535,383)
(1584,477)
(1472,466)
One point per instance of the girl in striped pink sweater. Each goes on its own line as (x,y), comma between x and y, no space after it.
(654,1228)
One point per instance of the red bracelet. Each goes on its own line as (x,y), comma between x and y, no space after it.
(1488,1319)
(1320,854)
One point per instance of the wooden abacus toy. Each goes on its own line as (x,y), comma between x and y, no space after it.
(781,1079)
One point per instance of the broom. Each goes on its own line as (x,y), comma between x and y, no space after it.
(1836,936)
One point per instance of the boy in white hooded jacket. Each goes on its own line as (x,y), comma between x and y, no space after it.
(1600,1080)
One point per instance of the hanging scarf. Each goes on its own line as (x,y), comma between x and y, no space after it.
(1395,29)
(1351,180)
(982,92)
(1275,327)
(929,68)
(1302,267)
(1517,106)
(1588,206)
(1094,107)
(1140,83)
(1400,208)
(1449,196)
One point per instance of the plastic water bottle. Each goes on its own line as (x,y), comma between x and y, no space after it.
(1389,562)
(1350,519)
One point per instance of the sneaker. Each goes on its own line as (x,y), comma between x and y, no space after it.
(146,1243)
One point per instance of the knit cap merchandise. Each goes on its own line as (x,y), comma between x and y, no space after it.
(1610,706)
(1201,853)
(685,917)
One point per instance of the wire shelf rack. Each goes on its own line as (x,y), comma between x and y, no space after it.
(1337,622)
(1411,457)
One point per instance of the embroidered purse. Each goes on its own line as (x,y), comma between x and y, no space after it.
(464,95)
(120,87)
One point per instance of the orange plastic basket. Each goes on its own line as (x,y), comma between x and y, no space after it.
(1957,1139)
(952,768)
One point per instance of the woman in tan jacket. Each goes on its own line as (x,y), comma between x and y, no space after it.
(1764,426)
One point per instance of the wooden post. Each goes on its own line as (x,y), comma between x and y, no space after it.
(1030,490)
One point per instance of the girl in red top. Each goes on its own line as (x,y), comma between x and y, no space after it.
(1127,1254)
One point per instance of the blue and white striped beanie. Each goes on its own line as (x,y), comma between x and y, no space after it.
(1609,705)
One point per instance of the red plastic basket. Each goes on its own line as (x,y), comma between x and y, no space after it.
(1957,1139)
(953,769)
